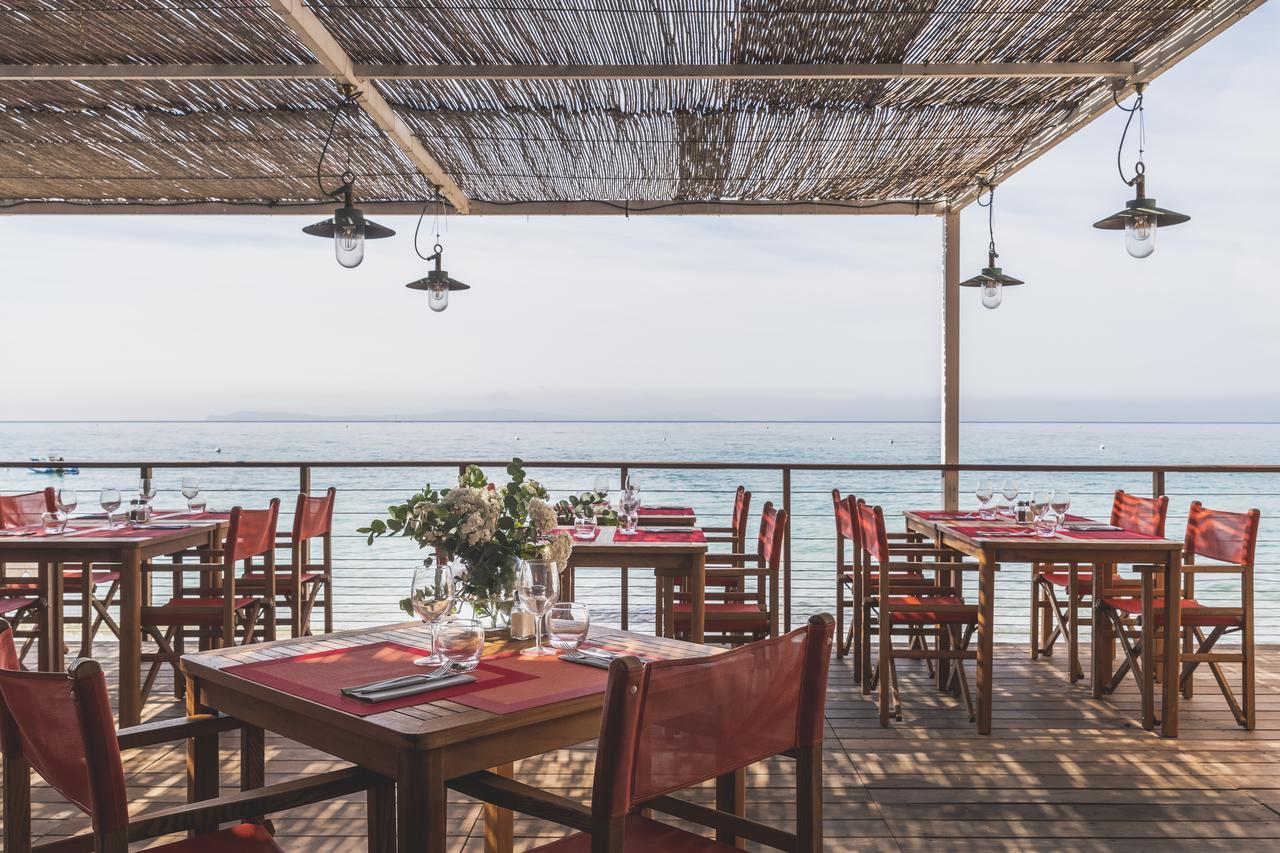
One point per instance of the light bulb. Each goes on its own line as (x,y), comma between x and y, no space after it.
(348,243)
(438,297)
(991,295)
(1140,236)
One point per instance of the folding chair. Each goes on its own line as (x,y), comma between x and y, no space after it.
(300,583)
(671,725)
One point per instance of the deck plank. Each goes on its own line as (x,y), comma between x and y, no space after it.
(1061,771)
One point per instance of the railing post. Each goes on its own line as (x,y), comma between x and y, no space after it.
(304,479)
(1157,483)
(786,550)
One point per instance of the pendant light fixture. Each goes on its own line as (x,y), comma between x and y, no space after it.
(992,280)
(437,282)
(1141,217)
(347,228)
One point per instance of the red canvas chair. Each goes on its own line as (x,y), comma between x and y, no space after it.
(1052,617)
(1230,539)
(735,535)
(61,726)
(897,606)
(217,613)
(27,510)
(910,546)
(737,610)
(312,519)
(672,725)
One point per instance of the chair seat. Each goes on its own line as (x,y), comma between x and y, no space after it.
(926,617)
(1063,579)
(643,834)
(242,838)
(726,614)
(259,579)
(191,611)
(72,579)
(913,575)
(1133,606)
(12,605)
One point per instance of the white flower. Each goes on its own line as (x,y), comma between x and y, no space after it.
(558,549)
(542,518)
(476,511)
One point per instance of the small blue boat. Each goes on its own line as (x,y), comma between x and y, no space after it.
(50,466)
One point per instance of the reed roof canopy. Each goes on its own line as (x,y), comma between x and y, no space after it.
(561,106)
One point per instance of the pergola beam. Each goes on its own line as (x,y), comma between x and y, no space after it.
(344,69)
(1222,15)
(483,208)
(304,23)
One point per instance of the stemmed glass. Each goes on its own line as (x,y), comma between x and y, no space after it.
(602,488)
(1010,489)
(110,500)
(432,595)
(630,505)
(538,589)
(1060,503)
(1039,509)
(190,488)
(985,491)
(67,501)
(147,489)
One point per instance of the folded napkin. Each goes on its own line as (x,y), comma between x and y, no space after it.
(160,525)
(599,658)
(395,688)
(1087,527)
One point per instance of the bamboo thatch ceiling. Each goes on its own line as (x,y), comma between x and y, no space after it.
(236,111)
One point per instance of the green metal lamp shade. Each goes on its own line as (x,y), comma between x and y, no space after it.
(1141,207)
(349,216)
(434,278)
(991,274)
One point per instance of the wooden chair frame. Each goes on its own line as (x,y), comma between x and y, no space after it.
(727,818)
(249,806)
(298,596)
(735,535)
(1052,618)
(1197,648)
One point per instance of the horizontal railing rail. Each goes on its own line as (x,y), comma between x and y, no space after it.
(804,503)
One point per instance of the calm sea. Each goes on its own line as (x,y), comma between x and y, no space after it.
(370,580)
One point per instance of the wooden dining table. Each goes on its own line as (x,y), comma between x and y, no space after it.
(673,554)
(993,543)
(292,688)
(88,541)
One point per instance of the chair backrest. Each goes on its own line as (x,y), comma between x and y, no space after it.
(62,725)
(773,523)
(252,532)
(844,517)
(1141,515)
(873,536)
(673,724)
(313,516)
(1231,537)
(741,511)
(25,509)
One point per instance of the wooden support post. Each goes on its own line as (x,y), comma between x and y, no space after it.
(951,357)
(786,553)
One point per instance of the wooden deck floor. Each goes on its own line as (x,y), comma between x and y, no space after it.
(1061,772)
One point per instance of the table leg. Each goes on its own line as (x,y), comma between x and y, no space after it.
(1148,656)
(668,627)
(202,757)
(499,823)
(421,804)
(698,596)
(382,817)
(951,580)
(1172,645)
(986,640)
(51,657)
(131,638)
(1073,623)
(1102,666)
(625,596)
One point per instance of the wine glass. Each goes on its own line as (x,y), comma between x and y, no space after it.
(630,505)
(432,595)
(147,489)
(984,493)
(1039,509)
(190,488)
(110,500)
(1060,502)
(602,488)
(67,501)
(538,589)
(1010,490)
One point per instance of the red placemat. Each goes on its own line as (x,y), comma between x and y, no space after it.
(666,510)
(179,515)
(1000,531)
(972,515)
(692,536)
(504,683)
(595,534)
(1102,535)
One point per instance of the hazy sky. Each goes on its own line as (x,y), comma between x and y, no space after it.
(140,317)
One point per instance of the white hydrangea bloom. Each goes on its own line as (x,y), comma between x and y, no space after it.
(542,518)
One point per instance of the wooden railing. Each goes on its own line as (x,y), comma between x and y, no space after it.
(842,475)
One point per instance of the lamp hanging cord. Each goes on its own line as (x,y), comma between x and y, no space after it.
(418,227)
(990,204)
(349,96)
(1139,168)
